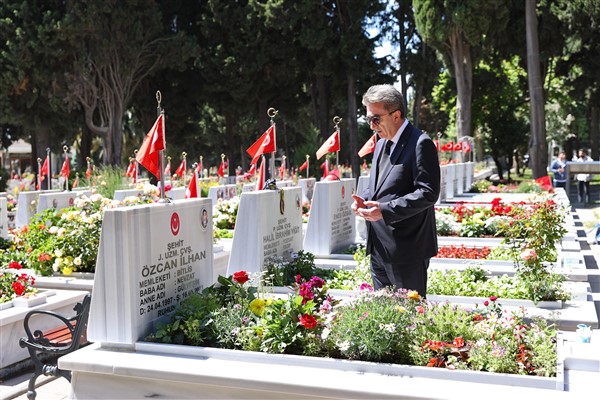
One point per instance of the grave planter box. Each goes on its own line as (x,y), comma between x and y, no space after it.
(551,305)
(187,372)
(11,322)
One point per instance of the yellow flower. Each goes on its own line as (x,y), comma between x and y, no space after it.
(400,309)
(67,270)
(413,295)
(257,306)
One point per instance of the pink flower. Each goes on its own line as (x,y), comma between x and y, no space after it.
(366,286)
(420,309)
(528,254)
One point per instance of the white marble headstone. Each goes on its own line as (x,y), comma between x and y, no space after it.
(460,178)
(248,187)
(177,193)
(3,218)
(59,200)
(269,223)
(331,224)
(287,183)
(308,187)
(27,206)
(450,176)
(469,171)
(120,195)
(225,192)
(443,179)
(151,257)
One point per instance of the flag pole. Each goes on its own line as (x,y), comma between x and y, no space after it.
(307,165)
(89,168)
(65,148)
(336,124)
(39,161)
(223,164)
(201,168)
(283,164)
(183,156)
(272,113)
(49,168)
(161,153)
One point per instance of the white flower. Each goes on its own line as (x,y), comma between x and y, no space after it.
(343,346)
(61,232)
(325,333)
(58,253)
(77,261)
(53,230)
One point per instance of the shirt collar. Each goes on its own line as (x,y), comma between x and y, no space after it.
(396,137)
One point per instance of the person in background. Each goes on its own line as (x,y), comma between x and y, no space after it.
(583,180)
(558,167)
(398,204)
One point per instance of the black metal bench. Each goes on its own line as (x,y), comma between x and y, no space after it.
(46,347)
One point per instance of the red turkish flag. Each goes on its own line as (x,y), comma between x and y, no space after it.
(467,148)
(221,172)
(325,167)
(458,147)
(448,146)
(331,145)
(545,182)
(88,171)
(303,166)
(181,169)
(75,182)
(168,169)
(265,144)
(130,169)
(192,190)
(199,167)
(437,144)
(154,141)
(65,171)
(369,146)
(45,169)
(260,181)
(252,169)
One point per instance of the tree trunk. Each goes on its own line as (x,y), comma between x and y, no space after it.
(322,106)
(538,150)
(402,55)
(594,116)
(352,126)
(463,74)
(41,142)
(117,136)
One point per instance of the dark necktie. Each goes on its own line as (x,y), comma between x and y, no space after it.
(384,161)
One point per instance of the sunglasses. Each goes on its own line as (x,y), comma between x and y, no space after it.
(376,119)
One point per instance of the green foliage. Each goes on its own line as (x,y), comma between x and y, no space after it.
(107,179)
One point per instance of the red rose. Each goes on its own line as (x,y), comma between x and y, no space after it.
(308,321)
(241,277)
(493,298)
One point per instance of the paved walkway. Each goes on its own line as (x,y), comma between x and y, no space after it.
(586,218)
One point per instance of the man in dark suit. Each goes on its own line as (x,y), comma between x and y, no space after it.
(399,202)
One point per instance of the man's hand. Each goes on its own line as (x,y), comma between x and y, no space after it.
(371,211)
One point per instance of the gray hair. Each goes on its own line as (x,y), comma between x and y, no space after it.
(386,94)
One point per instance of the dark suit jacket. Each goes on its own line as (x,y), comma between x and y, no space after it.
(407,197)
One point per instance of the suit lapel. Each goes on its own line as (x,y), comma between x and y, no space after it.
(394,157)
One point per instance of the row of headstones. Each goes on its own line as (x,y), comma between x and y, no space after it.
(31,202)
(164,251)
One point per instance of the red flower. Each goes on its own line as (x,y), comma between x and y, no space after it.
(493,298)
(241,277)
(308,321)
(18,287)
(44,257)
(14,265)
(459,342)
